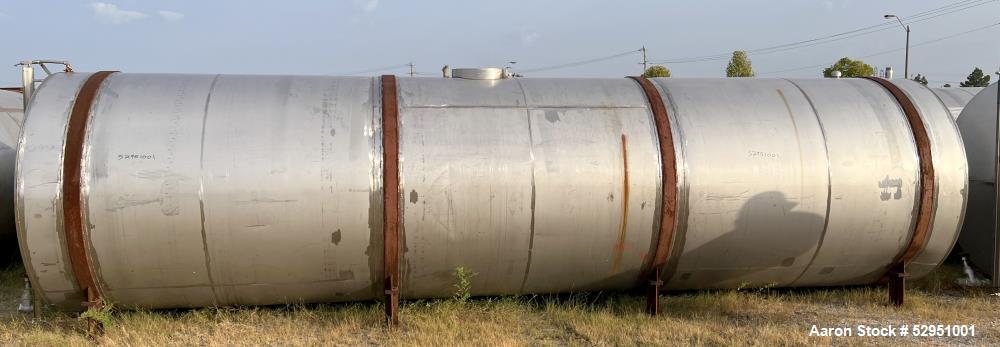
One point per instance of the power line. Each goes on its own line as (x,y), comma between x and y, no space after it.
(919,17)
(915,18)
(825,40)
(384,68)
(578,63)
(924,43)
(953,83)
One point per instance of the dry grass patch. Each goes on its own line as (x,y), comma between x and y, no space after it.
(732,317)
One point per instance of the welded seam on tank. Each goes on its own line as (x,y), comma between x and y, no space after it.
(10,115)
(375,193)
(76,129)
(232,285)
(531,154)
(920,234)
(201,193)
(946,109)
(619,249)
(965,186)
(684,187)
(502,107)
(668,168)
(829,180)
(19,220)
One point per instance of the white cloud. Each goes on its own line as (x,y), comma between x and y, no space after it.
(529,37)
(110,13)
(367,5)
(835,4)
(171,16)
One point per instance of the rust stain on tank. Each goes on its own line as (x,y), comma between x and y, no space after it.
(335,237)
(926,205)
(620,244)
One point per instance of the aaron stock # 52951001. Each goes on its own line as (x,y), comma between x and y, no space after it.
(860,330)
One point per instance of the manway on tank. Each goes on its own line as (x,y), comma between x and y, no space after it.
(168,190)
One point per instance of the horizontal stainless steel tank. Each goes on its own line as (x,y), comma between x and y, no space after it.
(955,98)
(978,125)
(11,116)
(203,190)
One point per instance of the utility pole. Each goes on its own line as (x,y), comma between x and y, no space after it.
(644,61)
(411,69)
(906,63)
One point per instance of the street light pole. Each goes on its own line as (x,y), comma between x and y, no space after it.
(906,63)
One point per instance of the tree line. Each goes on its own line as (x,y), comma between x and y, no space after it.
(740,66)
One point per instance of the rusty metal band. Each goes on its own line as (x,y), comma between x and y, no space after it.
(668,215)
(926,202)
(76,236)
(390,198)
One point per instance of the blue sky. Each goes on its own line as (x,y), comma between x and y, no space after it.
(339,37)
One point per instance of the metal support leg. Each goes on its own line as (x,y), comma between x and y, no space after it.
(27,298)
(653,294)
(94,327)
(37,307)
(391,303)
(897,284)
(30,303)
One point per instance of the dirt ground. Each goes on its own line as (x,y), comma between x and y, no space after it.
(753,316)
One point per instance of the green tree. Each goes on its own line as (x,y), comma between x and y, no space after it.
(656,71)
(920,79)
(976,79)
(739,65)
(849,68)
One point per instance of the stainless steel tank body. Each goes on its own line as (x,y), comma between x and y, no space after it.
(978,125)
(955,98)
(200,190)
(11,117)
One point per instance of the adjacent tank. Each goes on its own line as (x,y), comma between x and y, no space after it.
(11,116)
(201,190)
(956,98)
(978,125)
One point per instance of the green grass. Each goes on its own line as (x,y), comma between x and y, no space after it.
(757,317)
(11,287)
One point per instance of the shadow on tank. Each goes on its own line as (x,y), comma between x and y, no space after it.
(9,253)
(770,243)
